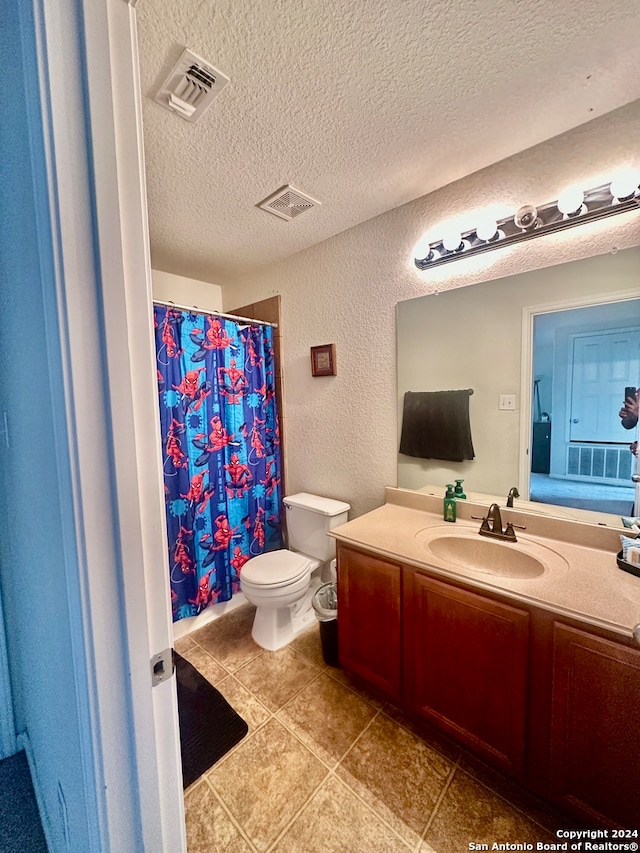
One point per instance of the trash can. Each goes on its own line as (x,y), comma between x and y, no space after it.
(325,604)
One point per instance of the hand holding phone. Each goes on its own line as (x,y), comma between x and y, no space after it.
(629,412)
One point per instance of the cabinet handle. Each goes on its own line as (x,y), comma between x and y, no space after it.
(636,634)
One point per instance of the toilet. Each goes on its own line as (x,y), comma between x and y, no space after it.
(281,583)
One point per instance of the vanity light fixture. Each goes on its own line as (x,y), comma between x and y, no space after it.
(570,201)
(625,185)
(452,242)
(573,207)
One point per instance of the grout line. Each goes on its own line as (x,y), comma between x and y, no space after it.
(299,812)
(378,815)
(331,769)
(505,799)
(364,730)
(233,820)
(439,800)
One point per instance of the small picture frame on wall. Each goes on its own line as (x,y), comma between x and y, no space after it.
(323,360)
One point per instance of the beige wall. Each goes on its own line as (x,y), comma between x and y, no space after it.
(186,291)
(341,431)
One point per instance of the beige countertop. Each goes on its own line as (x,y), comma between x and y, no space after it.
(581,578)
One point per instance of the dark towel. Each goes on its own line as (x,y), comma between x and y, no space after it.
(435,425)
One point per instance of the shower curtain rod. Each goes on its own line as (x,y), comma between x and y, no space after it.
(196,310)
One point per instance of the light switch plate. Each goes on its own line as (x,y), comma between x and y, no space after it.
(507,402)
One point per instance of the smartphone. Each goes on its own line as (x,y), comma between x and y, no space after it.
(629,391)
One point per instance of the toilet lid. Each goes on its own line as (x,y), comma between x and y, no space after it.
(275,567)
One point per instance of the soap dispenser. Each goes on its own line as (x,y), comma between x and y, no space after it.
(449,512)
(458,491)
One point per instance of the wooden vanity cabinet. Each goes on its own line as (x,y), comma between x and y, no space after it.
(465,667)
(549,700)
(595,726)
(369,619)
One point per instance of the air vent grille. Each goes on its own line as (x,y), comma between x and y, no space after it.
(288,202)
(191,87)
(601,462)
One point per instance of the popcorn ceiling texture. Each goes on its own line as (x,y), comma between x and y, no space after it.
(365,105)
(341,431)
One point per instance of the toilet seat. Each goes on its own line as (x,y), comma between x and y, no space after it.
(275,569)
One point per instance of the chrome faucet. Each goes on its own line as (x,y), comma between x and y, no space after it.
(513,493)
(492,525)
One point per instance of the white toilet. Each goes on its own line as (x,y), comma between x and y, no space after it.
(281,583)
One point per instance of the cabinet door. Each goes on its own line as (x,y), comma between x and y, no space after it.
(595,726)
(466,667)
(369,619)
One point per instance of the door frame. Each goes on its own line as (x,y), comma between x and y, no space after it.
(526,369)
(7,724)
(90,104)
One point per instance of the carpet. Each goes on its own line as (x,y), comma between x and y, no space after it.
(20,827)
(209,727)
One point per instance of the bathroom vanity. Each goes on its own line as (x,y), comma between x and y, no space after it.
(522,652)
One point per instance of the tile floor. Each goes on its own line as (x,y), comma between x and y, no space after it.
(328,767)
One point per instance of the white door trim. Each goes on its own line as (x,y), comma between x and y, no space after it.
(93,146)
(121,215)
(7,724)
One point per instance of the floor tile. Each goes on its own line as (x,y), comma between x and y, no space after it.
(309,645)
(252,711)
(205,664)
(327,717)
(397,774)
(469,812)
(274,677)
(356,686)
(433,738)
(184,644)
(519,797)
(336,821)
(228,639)
(266,781)
(390,782)
(209,828)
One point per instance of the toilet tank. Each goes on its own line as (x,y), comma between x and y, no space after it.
(309,519)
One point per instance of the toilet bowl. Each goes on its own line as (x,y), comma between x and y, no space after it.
(283,604)
(281,583)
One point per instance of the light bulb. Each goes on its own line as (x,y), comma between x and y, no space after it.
(421,249)
(452,240)
(527,218)
(570,201)
(625,184)
(487,229)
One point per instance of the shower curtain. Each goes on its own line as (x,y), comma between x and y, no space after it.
(221,451)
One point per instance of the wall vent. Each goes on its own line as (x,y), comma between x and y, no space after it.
(600,463)
(191,87)
(288,202)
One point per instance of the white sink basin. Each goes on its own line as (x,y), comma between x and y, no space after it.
(467,551)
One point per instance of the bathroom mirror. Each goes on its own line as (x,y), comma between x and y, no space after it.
(498,338)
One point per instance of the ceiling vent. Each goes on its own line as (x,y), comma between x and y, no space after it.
(191,87)
(288,202)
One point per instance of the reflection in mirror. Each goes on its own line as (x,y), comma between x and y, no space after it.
(583,359)
(482,336)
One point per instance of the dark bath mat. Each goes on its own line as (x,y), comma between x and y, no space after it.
(209,727)
(20,827)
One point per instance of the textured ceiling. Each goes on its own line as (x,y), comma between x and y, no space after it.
(363,105)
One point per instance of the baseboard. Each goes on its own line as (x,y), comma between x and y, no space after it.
(185,626)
